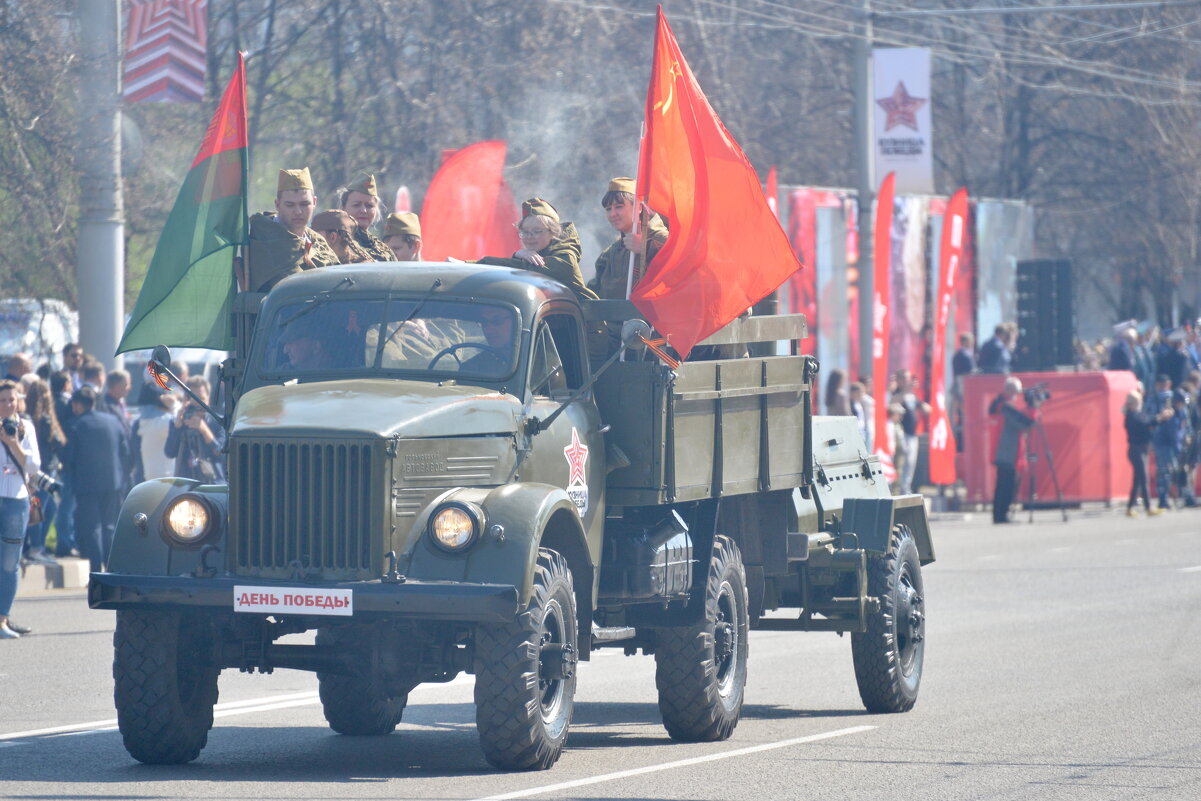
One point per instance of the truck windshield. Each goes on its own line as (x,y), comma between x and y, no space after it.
(347,336)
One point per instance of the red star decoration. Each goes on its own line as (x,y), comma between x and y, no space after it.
(577,457)
(901,107)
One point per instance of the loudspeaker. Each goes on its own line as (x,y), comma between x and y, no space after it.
(1046,315)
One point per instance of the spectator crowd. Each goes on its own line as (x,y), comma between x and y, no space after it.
(74,447)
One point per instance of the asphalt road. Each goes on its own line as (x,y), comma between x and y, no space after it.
(1063,662)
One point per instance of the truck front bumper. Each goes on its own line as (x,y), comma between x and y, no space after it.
(433,600)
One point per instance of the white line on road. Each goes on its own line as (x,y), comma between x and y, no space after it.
(680,763)
(1193,569)
(219,711)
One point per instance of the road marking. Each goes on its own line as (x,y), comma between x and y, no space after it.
(1193,569)
(219,711)
(680,763)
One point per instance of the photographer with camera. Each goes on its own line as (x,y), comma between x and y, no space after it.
(1014,423)
(196,440)
(20,459)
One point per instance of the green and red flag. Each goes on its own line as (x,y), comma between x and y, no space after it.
(190,284)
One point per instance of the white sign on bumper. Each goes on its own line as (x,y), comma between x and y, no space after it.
(293,601)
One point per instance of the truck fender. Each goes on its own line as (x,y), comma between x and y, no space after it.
(140,550)
(518,520)
(872,521)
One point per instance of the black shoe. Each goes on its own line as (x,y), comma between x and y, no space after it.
(18,629)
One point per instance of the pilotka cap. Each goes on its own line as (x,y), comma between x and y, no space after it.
(402,223)
(363,182)
(622,185)
(294,179)
(537,205)
(333,220)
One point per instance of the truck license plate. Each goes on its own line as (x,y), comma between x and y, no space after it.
(293,601)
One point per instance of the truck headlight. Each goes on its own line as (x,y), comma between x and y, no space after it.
(455,526)
(189,520)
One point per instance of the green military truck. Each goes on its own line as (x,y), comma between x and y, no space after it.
(425,469)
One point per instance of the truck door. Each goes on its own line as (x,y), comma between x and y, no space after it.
(570,454)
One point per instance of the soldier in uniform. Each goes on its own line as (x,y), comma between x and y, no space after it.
(361,201)
(550,247)
(402,233)
(282,243)
(613,265)
(339,228)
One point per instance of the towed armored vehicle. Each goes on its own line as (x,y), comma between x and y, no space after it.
(425,469)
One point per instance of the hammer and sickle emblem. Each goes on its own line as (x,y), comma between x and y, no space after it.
(663,105)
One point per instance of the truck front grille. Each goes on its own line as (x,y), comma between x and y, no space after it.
(302,504)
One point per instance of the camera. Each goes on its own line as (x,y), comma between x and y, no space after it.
(1036,395)
(11,426)
(190,411)
(46,482)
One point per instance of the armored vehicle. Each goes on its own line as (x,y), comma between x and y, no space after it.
(425,469)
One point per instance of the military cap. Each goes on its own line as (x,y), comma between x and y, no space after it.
(363,182)
(401,224)
(294,179)
(622,185)
(537,205)
(333,220)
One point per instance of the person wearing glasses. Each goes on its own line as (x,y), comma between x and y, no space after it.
(338,228)
(548,245)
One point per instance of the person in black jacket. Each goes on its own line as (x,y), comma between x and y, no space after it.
(1013,422)
(1139,427)
(95,456)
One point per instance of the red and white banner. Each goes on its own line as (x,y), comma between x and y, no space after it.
(950,255)
(882,263)
(165,51)
(293,601)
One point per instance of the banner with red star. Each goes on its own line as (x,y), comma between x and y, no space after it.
(901,125)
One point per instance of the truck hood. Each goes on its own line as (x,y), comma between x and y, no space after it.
(377,407)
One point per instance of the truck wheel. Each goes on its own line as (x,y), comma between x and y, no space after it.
(701,670)
(888,656)
(355,705)
(166,685)
(525,674)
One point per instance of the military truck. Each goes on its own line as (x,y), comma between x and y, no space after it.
(425,469)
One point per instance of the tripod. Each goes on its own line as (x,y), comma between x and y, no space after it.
(1032,432)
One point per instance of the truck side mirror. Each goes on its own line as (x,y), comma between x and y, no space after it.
(161,356)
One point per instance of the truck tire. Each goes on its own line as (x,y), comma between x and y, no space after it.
(355,705)
(700,670)
(888,656)
(525,674)
(166,685)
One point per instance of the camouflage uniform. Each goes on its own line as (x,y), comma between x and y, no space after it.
(373,245)
(275,252)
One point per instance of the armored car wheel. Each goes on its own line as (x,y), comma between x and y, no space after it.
(700,670)
(355,705)
(525,674)
(888,656)
(166,685)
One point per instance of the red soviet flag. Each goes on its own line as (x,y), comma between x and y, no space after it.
(950,255)
(726,250)
(469,210)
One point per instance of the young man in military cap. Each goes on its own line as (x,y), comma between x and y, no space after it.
(402,233)
(339,228)
(361,201)
(282,243)
(613,265)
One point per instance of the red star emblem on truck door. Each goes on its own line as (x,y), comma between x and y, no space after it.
(902,108)
(577,458)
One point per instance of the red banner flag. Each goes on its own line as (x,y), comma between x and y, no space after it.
(882,262)
(726,250)
(950,254)
(469,210)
